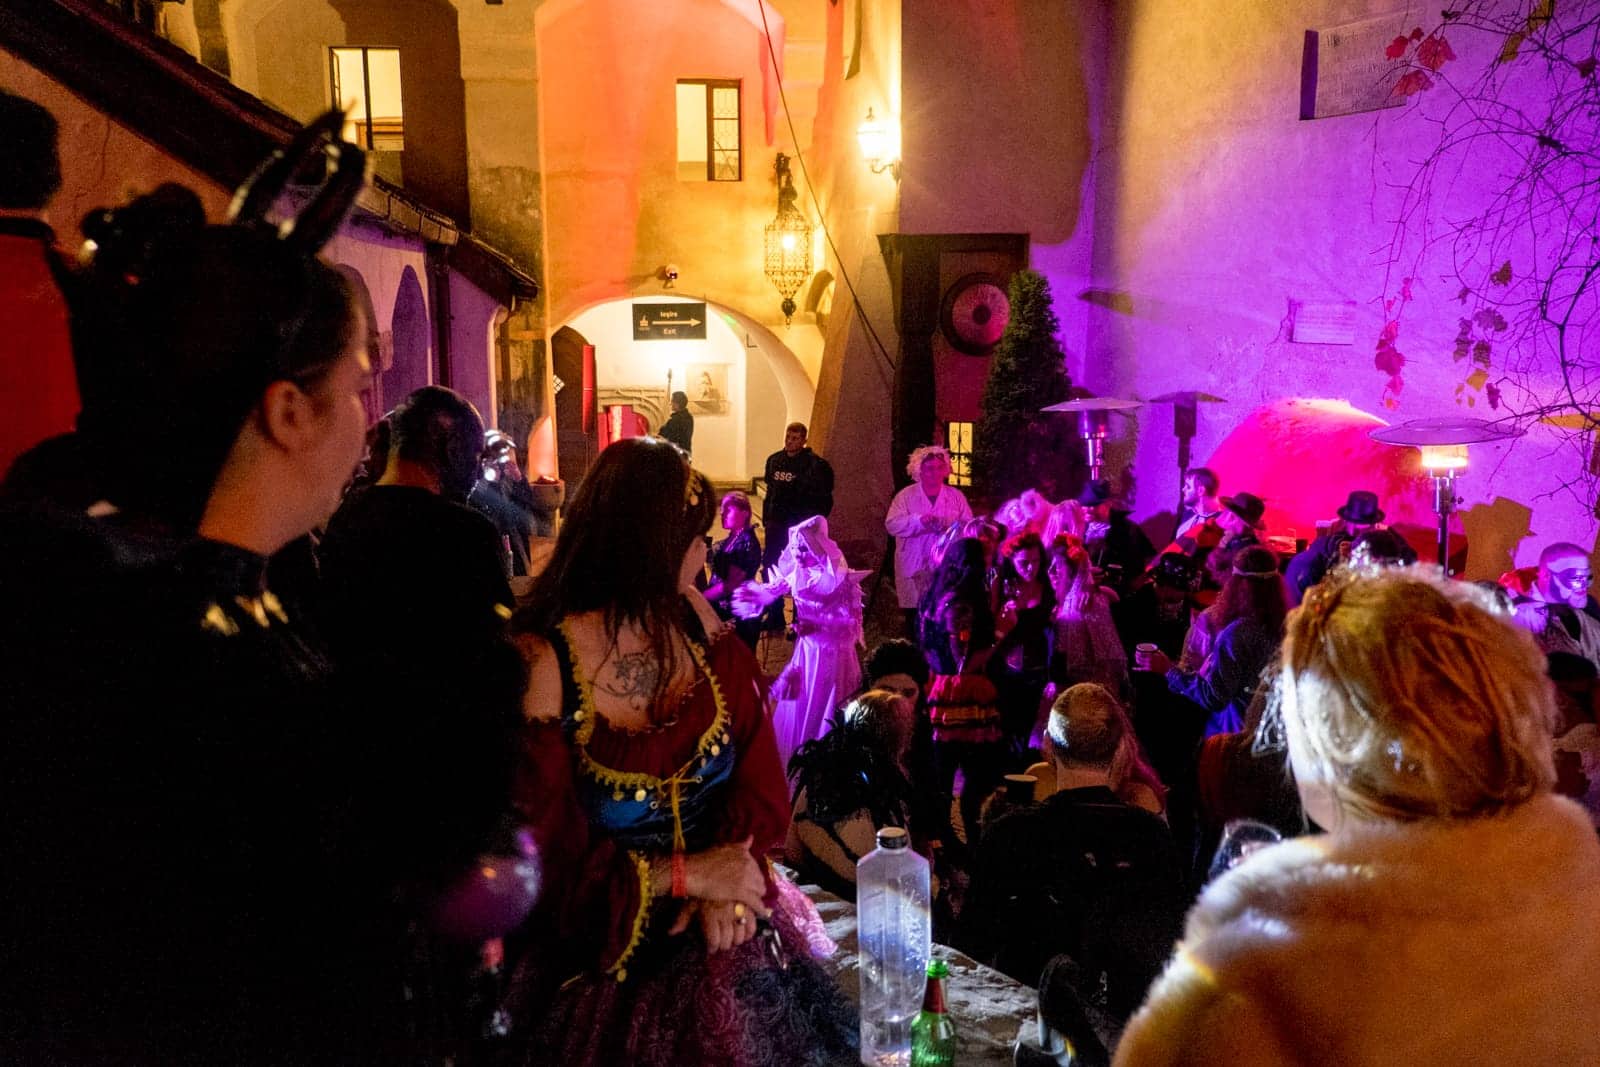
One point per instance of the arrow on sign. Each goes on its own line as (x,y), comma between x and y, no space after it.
(676,322)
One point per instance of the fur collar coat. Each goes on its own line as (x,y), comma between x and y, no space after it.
(1446,942)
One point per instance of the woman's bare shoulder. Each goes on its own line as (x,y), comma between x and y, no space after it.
(541,700)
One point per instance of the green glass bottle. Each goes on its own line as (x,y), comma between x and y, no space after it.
(933,1035)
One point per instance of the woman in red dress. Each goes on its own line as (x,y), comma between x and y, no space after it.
(651,780)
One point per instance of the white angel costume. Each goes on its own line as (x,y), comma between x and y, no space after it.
(824,670)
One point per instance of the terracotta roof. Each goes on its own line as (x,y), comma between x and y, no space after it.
(201,118)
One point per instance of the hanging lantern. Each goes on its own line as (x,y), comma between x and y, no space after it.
(788,241)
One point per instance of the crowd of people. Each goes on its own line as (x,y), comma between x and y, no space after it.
(291,776)
(1098,719)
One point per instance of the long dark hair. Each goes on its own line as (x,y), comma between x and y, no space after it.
(1015,546)
(1254,590)
(964,573)
(621,548)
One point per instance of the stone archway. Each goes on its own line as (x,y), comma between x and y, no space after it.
(767,384)
(380,346)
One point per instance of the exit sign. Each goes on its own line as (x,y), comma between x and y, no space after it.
(669,322)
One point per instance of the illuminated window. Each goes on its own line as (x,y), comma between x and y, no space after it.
(366,84)
(958,438)
(708,131)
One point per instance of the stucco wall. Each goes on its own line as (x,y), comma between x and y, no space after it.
(278,49)
(472,344)
(500,73)
(103,163)
(851,420)
(1216,206)
(995,127)
(614,209)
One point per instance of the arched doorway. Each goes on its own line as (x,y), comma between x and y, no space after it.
(577,436)
(374,401)
(743,384)
(411,339)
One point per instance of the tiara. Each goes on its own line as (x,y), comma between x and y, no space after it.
(1254,574)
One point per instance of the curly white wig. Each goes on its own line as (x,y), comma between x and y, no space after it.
(922,453)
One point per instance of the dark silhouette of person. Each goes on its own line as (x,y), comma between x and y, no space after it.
(37,375)
(679,427)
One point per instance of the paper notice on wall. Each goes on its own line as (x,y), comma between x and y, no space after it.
(1345,70)
(1325,323)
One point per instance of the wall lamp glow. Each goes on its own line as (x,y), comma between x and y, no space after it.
(878,147)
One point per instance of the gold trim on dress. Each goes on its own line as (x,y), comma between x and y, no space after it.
(710,744)
(641,785)
(641,864)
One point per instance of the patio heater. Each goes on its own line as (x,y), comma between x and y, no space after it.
(1185,425)
(1094,424)
(1443,444)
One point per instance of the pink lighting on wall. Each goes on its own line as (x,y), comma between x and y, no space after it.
(1303,457)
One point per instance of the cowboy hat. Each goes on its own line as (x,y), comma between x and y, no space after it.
(1247,506)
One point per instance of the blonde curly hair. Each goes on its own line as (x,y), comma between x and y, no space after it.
(922,453)
(1407,696)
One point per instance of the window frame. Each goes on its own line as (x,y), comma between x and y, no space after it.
(711,85)
(366,89)
(960,460)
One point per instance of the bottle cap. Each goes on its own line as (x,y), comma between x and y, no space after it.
(938,969)
(893,837)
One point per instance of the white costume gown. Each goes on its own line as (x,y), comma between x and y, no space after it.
(824,670)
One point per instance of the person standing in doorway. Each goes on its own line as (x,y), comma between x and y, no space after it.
(679,427)
(918,514)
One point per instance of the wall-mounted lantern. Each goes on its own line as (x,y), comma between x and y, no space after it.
(878,146)
(788,241)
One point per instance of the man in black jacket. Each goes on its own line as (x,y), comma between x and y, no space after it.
(416,599)
(799,485)
(1083,873)
(1118,548)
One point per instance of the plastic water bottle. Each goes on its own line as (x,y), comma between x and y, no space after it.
(893,927)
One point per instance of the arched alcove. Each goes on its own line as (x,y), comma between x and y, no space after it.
(375,350)
(757,384)
(412,347)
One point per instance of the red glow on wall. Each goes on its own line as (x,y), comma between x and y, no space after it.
(1304,456)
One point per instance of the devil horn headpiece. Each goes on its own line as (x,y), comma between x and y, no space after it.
(346,176)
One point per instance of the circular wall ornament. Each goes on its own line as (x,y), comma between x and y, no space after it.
(974,313)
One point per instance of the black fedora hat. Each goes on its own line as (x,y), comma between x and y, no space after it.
(1361,509)
(1096,492)
(1247,506)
